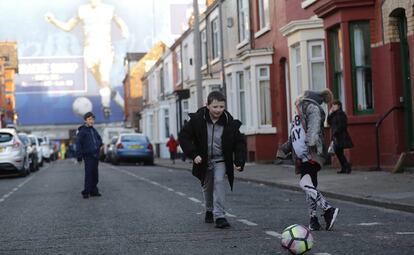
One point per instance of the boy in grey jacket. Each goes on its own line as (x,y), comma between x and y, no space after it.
(212,139)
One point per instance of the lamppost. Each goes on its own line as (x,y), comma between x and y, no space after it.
(197,54)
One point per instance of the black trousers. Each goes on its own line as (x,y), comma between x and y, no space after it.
(91,175)
(339,152)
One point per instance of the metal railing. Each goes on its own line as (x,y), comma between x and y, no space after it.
(377,126)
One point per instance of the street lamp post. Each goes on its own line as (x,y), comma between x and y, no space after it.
(197,54)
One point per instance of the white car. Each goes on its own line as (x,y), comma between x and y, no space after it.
(13,153)
(46,148)
(35,143)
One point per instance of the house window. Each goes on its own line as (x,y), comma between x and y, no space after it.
(264,93)
(361,67)
(241,87)
(179,66)
(167,122)
(243,18)
(185,63)
(263,14)
(185,110)
(317,65)
(166,78)
(215,87)
(335,43)
(215,38)
(297,69)
(203,47)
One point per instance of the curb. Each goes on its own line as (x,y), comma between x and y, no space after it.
(358,200)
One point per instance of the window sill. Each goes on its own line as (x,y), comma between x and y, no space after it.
(261,130)
(215,61)
(262,31)
(242,44)
(307,3)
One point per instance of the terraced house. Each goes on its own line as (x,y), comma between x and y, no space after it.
(264,53)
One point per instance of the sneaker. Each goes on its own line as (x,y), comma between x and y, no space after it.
(85,196)
(330,217)
(209,217)
(96,194)
(222,223)
(314,224)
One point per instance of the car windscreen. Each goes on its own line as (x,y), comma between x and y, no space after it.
(5,137)
(134,138)
(32,139)
(24,139)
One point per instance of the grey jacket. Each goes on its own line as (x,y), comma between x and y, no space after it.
(309,106)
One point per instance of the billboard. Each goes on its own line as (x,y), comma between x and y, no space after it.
(71,53)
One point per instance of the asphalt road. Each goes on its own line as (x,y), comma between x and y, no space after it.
(153,210)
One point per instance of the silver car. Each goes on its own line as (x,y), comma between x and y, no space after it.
(13,153)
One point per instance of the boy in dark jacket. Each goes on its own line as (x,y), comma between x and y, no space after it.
(213,140)
(88,144)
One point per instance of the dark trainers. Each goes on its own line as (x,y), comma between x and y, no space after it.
(314,224)
(330,217)
(95,194)
(209,217)
(85,195)
(222,223)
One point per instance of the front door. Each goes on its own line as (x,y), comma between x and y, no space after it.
(405,57)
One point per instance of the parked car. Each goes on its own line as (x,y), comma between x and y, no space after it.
(31,152)
(13,153)
(110,150)
(46,148)
(133,147)
(35,143)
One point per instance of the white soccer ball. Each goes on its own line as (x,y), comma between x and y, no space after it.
(81,105)
(297,239)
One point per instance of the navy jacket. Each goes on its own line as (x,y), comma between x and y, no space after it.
(88,142)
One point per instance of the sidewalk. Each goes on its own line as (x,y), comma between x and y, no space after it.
(378,188)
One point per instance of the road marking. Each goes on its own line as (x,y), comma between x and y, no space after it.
(194,199)
(322,253)
(248,223)
(369,224)
(274,234)
(180,193)
(230,215)
(155,183)
(404,233)
(4,197)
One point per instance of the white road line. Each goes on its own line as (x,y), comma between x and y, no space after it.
(15,189)
(170,189)
(248,223)
(230,215)
(194,199)
(404,233)
(180,193)
(369,223)
(274,234)
(322,253)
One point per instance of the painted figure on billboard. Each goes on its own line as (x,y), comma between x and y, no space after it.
(96,19)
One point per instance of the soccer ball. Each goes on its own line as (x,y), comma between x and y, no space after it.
(297,239)
(81,105)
